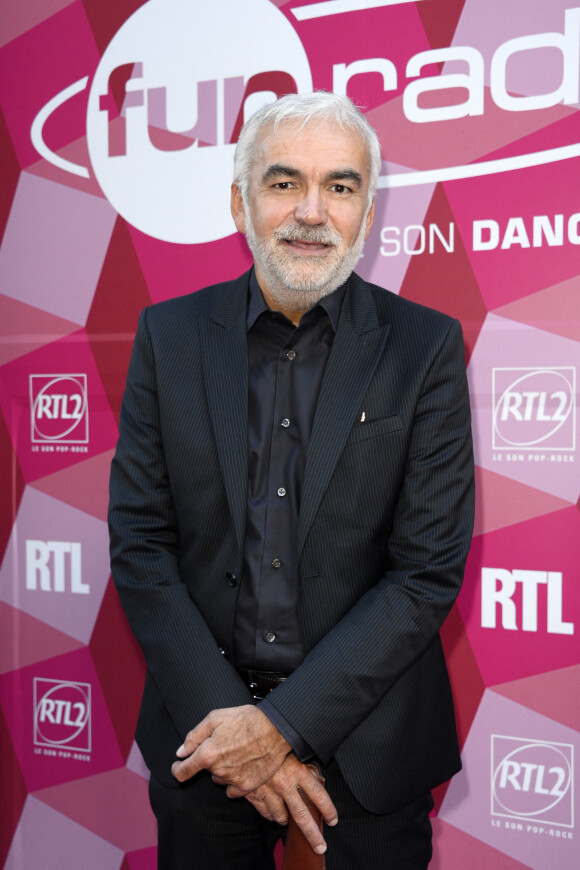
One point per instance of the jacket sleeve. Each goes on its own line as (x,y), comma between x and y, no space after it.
(355,664)
(182,656)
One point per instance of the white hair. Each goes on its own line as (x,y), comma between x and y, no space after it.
(303,110)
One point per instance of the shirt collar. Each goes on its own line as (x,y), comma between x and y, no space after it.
(257,304)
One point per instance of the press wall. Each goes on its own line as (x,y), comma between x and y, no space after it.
(117,129)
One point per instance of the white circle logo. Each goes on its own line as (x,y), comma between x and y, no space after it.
(168,100)
(533,407)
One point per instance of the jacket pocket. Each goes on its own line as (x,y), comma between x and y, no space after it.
(374,428)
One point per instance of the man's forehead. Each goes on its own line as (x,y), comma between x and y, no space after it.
(318,139)
(286,134)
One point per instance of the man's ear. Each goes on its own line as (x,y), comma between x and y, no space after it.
(369,219)
(238,208)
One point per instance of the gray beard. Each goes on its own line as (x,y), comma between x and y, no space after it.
(297,282)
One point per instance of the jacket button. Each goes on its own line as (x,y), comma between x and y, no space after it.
(231,578)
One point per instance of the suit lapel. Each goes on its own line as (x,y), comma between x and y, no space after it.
(225,366)
(356,350)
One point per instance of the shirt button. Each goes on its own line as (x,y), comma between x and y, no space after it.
(269,637)
(290,354)
(276,563)
(285,422)
(281,492)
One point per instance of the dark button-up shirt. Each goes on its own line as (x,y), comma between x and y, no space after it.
(285,369)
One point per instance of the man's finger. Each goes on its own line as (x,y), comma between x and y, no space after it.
(314,790)
(269,804)
(305,821)
(196,736)
(190,766)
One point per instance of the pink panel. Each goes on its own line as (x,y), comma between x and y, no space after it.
(25,640)
(114,805)
(143,859)
(17,18)
(454,848)
(511,794)
(58,720)
(395,33)
(502,502)
(76,152)
(56,408)
(56,565)
(385,260)
(403,141)
(136,764)
(173,270)
(556,309)
(523,398)
(44,70)
(489,25)
(548,694)
(520,601)
(25,328)
(84,486)
(54,246)
(64,845)
(509,261)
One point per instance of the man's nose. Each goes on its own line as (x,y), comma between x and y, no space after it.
(311,209)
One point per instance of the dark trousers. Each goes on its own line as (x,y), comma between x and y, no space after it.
(200,828)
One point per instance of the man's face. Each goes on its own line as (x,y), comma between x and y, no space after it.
(307,215)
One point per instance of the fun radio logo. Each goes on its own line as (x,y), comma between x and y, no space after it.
(532,780)
(62,714)
(59,410)
(178,79)
(534,408)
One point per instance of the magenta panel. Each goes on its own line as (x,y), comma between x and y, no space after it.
(114,805)
(520,601)
(516,792)
(54,246)
(45,70)
(56,565)
(525,416)
(56,408)
(43,831)
(58,720)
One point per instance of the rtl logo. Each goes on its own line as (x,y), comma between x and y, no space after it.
(498,588)
(51,566)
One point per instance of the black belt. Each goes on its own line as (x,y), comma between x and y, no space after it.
(261,683)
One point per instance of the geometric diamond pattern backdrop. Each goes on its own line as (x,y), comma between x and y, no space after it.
(116,164)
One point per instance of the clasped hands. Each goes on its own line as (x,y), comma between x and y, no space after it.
(244,751)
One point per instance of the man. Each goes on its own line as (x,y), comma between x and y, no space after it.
(291,509)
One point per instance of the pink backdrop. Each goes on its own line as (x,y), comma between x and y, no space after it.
(117,127)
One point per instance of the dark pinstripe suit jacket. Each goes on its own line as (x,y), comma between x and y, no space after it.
(385,525)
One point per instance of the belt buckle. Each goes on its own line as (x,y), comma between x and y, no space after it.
(252,686)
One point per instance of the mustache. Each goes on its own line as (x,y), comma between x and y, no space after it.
(316,235)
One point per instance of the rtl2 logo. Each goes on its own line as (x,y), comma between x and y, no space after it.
(62,714)
(533,408)
(59,409)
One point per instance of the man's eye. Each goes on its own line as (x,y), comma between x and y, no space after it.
(283,185)
(340,188)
